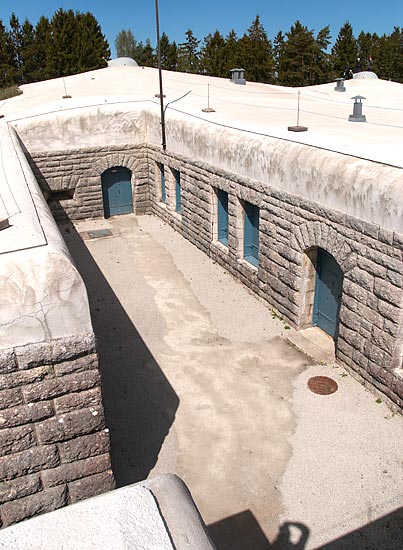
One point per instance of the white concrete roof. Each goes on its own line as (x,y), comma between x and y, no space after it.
(255,107)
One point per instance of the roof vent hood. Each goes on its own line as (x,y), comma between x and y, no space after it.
(238,76)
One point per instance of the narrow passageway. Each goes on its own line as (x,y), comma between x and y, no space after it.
(199,380)
(222,354)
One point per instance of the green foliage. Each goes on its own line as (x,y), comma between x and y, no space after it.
(212,59)
(127,46)
(71,42)
(301,59)
(188,54)
(256,53)
(344,51)
(389,64)
(8,69)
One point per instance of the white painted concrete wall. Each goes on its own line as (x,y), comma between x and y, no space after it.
(42,295)
(368,190)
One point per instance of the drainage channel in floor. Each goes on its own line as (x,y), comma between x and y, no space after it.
(96,234)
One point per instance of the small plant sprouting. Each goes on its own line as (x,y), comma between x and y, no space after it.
(343,374)
(286,327)
(379,400)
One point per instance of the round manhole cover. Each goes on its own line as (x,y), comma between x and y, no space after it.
(322,385)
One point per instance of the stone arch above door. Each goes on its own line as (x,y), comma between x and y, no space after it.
(110,160)
(321,235)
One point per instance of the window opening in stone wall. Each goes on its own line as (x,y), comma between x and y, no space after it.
(251,234)
(178,191)
(62,194)
(161,168)
(222,216)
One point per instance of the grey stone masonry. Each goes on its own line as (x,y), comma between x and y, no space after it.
(71,180)
(54,446)
(291,231)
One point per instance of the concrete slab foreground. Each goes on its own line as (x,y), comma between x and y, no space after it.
(157,515)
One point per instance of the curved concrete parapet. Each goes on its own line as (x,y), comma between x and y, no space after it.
(155,515)
(345,182)
(43,295)
(179,511)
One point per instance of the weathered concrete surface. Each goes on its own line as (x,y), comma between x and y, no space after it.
(39,285)
(246,135)
(127,519)
(198,381)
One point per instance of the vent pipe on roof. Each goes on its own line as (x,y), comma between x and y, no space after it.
(340,85)
(238,76)
(357,115)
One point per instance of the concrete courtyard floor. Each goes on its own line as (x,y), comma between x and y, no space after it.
(198,379)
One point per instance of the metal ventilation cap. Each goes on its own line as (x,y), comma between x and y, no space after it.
(357,115)
(340,85)
(238,76)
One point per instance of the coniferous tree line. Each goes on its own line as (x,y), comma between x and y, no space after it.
(70,42)
(297,58)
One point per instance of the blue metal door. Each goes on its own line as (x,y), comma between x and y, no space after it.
(117,191)
(328,291)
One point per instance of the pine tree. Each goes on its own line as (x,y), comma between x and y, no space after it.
(365,47)
(148,58)
(172,57)
(64,57)
(299,57)
(322,64)
(42,51)
(390,62)
(93,48)
(257,53)
(278,53)
(344,51)
(15,37)
(164,47)
(188,54)
(27,53)
(212,60)
(8,69)
(231,53)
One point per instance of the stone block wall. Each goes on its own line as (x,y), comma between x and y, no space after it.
(292,228)
(54,446)
(370,341)
(71,180)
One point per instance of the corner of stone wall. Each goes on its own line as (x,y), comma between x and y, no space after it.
(54,445)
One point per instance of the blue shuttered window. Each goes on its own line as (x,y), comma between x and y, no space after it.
(163,191)
(222,212)
(251,233)
(178,188)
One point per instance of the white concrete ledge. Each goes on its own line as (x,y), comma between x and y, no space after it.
(153,515)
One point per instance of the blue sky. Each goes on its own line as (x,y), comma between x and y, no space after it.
(205,16)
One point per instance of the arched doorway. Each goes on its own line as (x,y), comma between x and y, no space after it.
(117,191)
(328,293)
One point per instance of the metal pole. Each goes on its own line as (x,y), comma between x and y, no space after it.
(164,144)
(298,109)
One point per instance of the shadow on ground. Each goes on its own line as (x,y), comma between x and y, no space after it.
(140,404)
(243,532)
